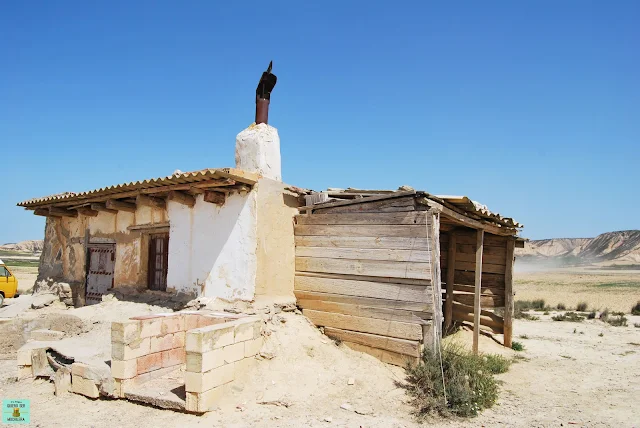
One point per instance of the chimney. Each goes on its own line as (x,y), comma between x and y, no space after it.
(258,146)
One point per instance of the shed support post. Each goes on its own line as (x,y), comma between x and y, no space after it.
(508,293)
(478,289)
(451,270)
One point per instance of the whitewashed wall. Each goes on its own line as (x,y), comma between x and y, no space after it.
(212,249)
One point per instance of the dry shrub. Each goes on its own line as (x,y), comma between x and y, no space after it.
(569,316)
(635,310)
(616,320)
(582,307)
(468,382)
(561,307)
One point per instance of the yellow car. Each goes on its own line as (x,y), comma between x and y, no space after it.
(8,283)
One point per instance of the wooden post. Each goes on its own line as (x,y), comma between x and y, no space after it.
(478,289)
(508,293)
(451,270)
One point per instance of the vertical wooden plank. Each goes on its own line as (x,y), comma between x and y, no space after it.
(508,293)
(432,333)
(478,282)
(451,271)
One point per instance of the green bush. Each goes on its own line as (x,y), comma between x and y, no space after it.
(569,316)
(582,307)
(616,321)
(468,382)
(635,310)
(517,346)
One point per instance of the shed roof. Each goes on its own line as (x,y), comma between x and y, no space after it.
(461,205)
(178,179)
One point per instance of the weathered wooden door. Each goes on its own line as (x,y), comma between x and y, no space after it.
(102,261)
(158,261)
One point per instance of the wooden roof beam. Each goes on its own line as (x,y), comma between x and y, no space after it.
(150,201)
(217,198)
(87,211)
(61,212)
(41,211)
(114,204)
(97,206)
(181,198)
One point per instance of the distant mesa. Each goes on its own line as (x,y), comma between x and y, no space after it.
(33,246)
(611,248)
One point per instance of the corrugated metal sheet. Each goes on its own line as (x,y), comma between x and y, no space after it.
(242,177)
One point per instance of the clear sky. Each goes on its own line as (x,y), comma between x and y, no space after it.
(532,108)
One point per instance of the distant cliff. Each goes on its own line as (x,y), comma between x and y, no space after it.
(34,246)
(620,248)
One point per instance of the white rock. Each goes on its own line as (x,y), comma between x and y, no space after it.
(351,381)
(42,300)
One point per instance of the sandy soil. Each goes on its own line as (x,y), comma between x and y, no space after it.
(600,289)
(26,277)
(565,376)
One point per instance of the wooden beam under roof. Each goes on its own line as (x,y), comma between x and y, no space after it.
(181,198)
(217,198)
(114,204)
(86,211)
(41,211)
(97,206)
(150,201)
(61,212)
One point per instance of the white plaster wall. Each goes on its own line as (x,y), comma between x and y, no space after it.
(212,249)
(258,150)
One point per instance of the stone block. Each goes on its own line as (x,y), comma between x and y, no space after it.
(191,321)
(85,371)
(179,339)
(40,365)
(82,386)
(173,357)
(46,335)
(203,402)
(243,366)
(149,363)
(252,347)
(126,369)
(136,349)
(161,343)
(203,362)
(244,332)
(172,324)
(202,382)
(206,339)
(125,332)
(24,355)
(62,382)
(24,372)
(151,327)
(233,353)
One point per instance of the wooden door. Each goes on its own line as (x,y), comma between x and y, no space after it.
(158,261)
(102,261)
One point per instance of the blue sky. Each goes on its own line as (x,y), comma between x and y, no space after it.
(532,108)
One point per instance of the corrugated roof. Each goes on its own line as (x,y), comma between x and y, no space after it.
(237,175)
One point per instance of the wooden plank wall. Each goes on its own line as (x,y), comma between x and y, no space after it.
(366,276)
(493,276)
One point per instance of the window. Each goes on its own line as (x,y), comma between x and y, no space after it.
(4,271)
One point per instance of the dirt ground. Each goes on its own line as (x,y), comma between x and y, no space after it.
(568,373)
(26,277)
(617,290)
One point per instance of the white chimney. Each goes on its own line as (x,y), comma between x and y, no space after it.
(258,150)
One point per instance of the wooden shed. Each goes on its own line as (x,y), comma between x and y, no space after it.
(386,272)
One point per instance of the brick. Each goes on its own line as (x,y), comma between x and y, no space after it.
(24,372)
(232,353)
(252,347)
(209,338)
(200,363)
(86,387)
(24,356)
(139,348)
(244,332)
(149,363)
(243,366)
(125,332)
(150,327)
(173,357)
(191,321)
(202,382)
(62,382)
(203,402)
(124,369)
(85,371)
(172,324)
(161,343)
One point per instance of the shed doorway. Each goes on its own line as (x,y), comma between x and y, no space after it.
(158,261)
(102,260)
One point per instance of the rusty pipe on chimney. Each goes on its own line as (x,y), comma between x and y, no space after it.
(263,95)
